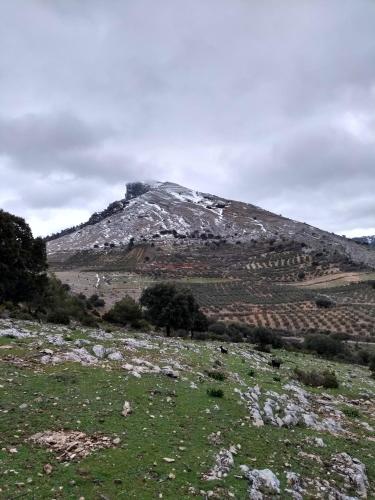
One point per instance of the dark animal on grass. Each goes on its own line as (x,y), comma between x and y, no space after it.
(276,363)
(223,350)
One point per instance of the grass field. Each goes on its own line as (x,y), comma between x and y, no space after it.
(171,418)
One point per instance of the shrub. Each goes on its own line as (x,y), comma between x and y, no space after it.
(326,378)
(58,316)
(95,301)
(324,302)
(251,373)
(216,375)
(323,345)
(351,412)
(266,337)
(124,312)
(215,393)
(58,305)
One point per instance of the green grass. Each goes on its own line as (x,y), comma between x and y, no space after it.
(169,419)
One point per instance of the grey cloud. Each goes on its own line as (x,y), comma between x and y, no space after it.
(244,99)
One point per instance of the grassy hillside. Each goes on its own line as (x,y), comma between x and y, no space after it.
(169,442)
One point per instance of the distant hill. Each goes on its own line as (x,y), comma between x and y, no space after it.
(243,263)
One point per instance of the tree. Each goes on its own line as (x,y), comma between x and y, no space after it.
(323,344)
(124,312)
(171,309)
(23,260)
(265,337)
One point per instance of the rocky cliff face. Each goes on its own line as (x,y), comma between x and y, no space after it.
(164,212)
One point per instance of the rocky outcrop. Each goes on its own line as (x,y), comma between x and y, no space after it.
(292,408)
(263,483)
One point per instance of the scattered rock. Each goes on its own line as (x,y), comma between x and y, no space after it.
(47,468)
(79,355)
(115,356)
(294,407)
(71,445)
(99,351)
(126,409)
(263,483)
(353,471)
(224,461)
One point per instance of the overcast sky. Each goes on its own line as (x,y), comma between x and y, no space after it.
(269,102)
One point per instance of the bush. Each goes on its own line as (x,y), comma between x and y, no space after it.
(323,344)
(324,302)
(326,379)
(95,301)
(265,337)
(124,312)
(351,412)
(215,393)
(216,375)
(232,332)
(58,316)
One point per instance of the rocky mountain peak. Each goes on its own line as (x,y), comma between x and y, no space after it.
(136,189)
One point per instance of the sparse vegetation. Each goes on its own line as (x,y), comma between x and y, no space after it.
(215,392)
(326,378)
(216,375)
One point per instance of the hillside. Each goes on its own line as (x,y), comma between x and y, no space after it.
(366,240)
(87,413)
(242,262)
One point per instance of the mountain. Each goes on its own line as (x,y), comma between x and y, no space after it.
(242,263)
(165,212)
(365,240)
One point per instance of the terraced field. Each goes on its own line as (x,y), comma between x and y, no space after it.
(261,283)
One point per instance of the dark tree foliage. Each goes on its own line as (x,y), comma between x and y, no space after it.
(172,309)
(23,260)
(323,344)
(324,302)
(124,312)
(265,337)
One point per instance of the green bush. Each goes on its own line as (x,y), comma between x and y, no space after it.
(215,393)
(216,375)
(265,337)
(323,344)
(351,412)
(124,312)
(95,301)
(326,378)
(58,316)
(324,302)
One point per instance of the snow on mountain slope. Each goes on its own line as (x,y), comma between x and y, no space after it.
(164,212)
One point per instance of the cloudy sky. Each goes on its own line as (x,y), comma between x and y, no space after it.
(267,101)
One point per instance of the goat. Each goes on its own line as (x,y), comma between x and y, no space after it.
(276,363)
